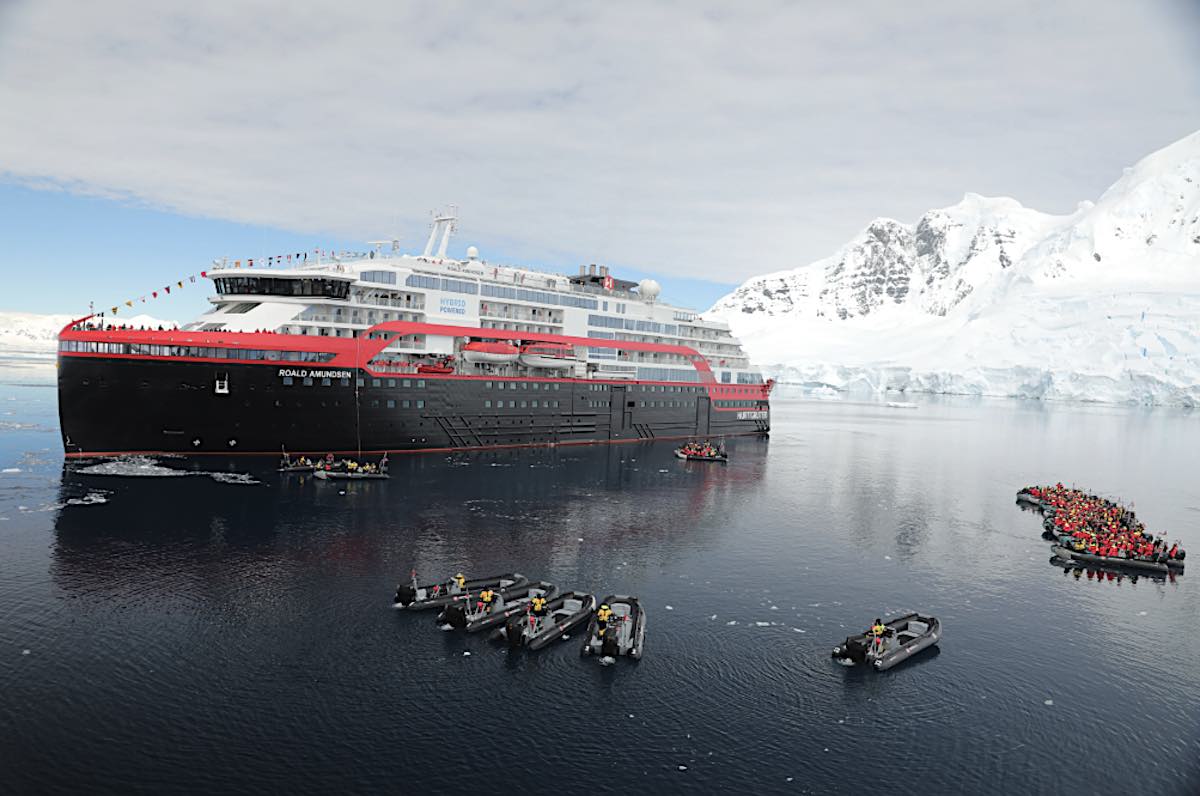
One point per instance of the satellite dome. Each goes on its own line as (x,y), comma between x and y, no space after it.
(472,253)
(649,289)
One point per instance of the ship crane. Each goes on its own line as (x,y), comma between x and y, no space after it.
(444,224)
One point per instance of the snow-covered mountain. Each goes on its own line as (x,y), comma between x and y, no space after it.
(30,336)
(989,297)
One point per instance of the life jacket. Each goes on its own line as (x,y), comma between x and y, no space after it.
(538,604)
(486,596)
(878,630)
(604,614)
(460,580)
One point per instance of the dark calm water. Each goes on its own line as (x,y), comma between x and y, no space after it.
(166,634)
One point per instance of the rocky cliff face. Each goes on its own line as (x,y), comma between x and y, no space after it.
(931,265)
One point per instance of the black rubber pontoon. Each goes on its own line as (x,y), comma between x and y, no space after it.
(693,457)
(907,635)
(435,595)
(1139,564)
(563,613)
(344,475)
(626,631)
(509,602)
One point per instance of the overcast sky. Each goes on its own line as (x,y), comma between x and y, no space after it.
(710,141)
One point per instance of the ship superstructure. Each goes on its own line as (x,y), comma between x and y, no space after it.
(386,351)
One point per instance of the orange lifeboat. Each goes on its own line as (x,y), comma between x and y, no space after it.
(490,352)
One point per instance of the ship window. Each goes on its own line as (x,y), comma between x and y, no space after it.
(360,382)
(420,404)
(537,386)
(533,404)
(406,404)
(524,404)
(487,385)
(487,404)
(556,387)
(375,382)
(375,403)
(287,380)
(420,384)
(407,383)
(391,382)
(345,382)
(499,385)
(326,382)
(307,381)
(512,404)
(278,402)
(512,385)
(391,404)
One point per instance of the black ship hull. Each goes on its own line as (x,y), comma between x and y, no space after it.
(115,405)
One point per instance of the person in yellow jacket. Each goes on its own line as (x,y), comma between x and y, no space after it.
(603,616)
(537,612)
(460,582)
(487,598)
(878,631)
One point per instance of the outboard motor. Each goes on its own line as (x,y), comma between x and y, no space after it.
(854,649)
(405,594)
(514,630)
(609,648)
(454,615)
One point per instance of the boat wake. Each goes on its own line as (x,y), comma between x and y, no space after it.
(146,467)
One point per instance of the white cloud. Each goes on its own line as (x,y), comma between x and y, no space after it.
(711,141)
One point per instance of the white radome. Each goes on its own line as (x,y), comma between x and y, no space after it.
(649,289)
(472,253)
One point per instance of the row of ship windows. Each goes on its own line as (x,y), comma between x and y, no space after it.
(512,385)
(142,349)
(391,404)
(496,291)
(531,404)
(742,404)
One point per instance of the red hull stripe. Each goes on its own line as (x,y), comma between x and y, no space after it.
(358,352)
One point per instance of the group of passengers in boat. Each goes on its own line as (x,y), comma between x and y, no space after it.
(1091,524)
(705,449)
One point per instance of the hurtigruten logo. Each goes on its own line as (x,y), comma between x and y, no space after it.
(314,374)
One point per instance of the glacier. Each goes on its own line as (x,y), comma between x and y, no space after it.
(990,298)
(34,337)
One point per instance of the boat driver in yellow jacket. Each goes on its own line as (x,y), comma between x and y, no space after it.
(878,631)
(486,598)
(460,583)
(537,610)
(603,617)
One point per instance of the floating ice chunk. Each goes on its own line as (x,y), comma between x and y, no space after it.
(631,715)
(731,622)
(762,624)
(1048,702)
(1141,613)
(887,558)
(24,652)
(826,748)
(664,471)
(789,779)
(11,470)
(581,538)
(683,768)
(774,607)
(798,630)
(670,608)
(714,616)
(466,653)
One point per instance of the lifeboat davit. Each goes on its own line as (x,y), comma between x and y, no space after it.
(490,352)
(553,356)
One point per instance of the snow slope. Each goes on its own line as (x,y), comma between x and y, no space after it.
(990,298)
(26,335)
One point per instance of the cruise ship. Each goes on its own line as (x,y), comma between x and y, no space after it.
(387,352)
